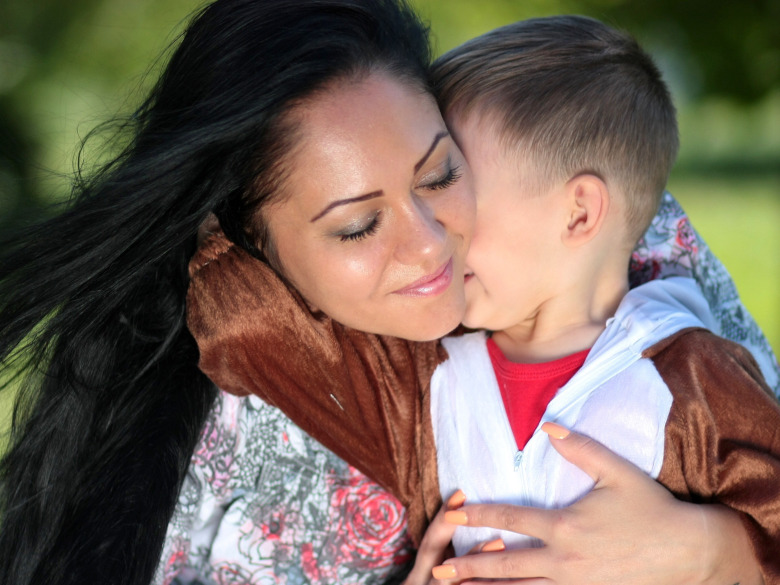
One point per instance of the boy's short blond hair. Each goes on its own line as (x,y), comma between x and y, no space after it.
(571,95)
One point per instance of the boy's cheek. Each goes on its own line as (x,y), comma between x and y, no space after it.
(473,294)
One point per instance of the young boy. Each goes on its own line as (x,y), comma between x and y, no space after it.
(571,134)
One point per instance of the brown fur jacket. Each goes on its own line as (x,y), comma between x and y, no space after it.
(367,397)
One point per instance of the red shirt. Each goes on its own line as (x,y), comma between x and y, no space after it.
(528,388)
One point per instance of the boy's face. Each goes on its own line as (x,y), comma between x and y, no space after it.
(512,266)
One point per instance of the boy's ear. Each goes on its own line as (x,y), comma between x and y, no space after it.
(588,203)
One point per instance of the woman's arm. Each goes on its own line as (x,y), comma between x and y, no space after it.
(628,530)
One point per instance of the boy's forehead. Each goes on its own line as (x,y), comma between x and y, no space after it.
(496,155)
(481,133)
(476,130)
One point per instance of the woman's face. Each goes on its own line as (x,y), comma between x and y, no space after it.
(378,210)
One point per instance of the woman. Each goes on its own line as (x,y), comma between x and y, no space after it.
(93,301)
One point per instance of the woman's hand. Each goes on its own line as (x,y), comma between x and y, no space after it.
(435,547)
(435,544)
(628,530)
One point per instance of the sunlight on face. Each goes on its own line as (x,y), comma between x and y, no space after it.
(378,212)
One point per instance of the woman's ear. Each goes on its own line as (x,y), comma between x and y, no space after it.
(588,200)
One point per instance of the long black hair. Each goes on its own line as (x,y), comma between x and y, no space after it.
(92,301)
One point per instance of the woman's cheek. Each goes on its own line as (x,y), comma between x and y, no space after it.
(360,267)
(350,279)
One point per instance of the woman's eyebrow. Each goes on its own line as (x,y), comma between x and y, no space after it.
(363,197)
(425,157)
(374,194)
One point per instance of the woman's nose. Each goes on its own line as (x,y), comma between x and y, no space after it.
(421,235)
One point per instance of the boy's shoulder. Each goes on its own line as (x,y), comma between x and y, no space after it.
(698,340)
(657,300)
(696,363)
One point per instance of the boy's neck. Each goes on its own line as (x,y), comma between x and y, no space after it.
(567,323)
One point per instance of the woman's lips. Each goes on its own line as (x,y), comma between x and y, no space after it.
(431,285)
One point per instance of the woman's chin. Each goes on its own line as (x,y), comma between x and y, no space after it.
(441,328)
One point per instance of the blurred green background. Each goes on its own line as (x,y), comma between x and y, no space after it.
(67,66)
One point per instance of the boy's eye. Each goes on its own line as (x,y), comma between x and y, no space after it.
(450,177)
(361,232)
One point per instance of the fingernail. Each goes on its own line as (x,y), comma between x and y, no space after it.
(456,517)
(494,546)
(555,430)
(456,500)
(444,572)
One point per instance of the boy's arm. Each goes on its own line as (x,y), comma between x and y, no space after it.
(363,396)
(723,436)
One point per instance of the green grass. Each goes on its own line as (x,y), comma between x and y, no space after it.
(739,218)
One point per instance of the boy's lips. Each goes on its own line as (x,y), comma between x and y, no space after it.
(430,285)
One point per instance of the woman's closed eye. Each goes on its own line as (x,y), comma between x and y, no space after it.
(449,178)
(353,234)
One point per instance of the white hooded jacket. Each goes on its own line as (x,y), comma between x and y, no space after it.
(617,398)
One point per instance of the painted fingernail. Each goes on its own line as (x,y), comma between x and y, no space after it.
(456,500)
(555,430)
(444,572)
(494,546)
(456,517)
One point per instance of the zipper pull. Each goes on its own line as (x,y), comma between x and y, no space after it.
(518,459)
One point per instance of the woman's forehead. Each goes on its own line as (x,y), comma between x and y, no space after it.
(377,101)
(349,138)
